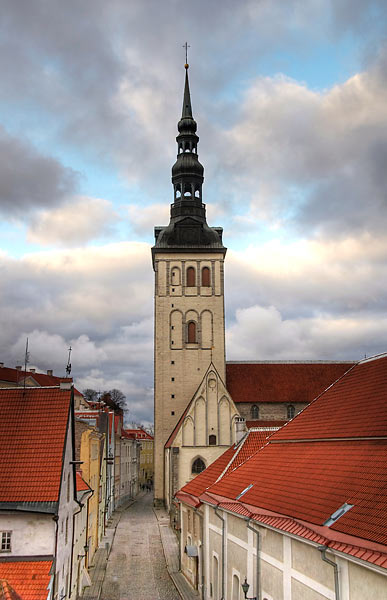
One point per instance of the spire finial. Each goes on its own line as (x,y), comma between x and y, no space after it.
(186,46)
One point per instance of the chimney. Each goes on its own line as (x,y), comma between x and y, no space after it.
(32,370)
(240,429)
(18,368)
(49,372)
(1,364)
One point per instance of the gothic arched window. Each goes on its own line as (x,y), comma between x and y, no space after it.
(191,277)
(291,411)
(191,332)
(206,277)
(212,440)
(255,412)
(198,466)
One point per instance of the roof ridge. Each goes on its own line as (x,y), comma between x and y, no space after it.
(291,362)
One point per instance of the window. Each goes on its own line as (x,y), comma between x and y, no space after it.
(206,277)
(190,277)
(5,541)
(198,466)
(192,332)
(291,411)
(254,412)
(212,440)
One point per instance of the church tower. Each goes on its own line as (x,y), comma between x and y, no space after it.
(188,258)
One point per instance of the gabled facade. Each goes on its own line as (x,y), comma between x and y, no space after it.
(206,428)
(37,481)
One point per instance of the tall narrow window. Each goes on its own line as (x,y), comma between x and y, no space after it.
(291,411)
(254,412)
(191,277)
(192,332)
(198,466)
(206,277)
(212,440)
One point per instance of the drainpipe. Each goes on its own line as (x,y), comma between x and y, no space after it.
(200,557)
(223,550)
(335,566)
(258,568)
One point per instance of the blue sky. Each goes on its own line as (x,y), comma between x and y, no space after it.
(289,100)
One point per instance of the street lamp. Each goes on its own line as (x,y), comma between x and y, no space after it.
(245,588)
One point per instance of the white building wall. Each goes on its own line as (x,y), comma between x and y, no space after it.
(67,507)
(31,533)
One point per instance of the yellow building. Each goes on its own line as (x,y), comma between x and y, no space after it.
(146,455)
(89,446)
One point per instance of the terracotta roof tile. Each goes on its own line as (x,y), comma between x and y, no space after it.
(261,423)
(82,486)
(281,382)
(27,579)
(354,407)
(33,426)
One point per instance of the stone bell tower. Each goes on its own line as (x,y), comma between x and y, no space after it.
(188,258)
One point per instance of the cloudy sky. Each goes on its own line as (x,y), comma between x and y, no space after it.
(290,100)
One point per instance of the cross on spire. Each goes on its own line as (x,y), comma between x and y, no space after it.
(186,46)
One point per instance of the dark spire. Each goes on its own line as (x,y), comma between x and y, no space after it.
(187,108)
(188,226)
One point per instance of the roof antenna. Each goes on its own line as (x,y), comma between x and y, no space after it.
(68,366)
(26,361)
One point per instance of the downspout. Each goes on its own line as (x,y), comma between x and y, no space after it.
(201,520)
(258,568)
(223,550)
(55,518)
(335,566)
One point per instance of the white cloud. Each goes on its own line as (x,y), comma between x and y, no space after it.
(74,223)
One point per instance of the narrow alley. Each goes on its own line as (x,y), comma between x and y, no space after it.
(136,568)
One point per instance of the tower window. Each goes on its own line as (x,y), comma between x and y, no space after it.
(291,411)
(212,440)
(254,412)
(192,332)
(206,277)
(198,466)
(190,277)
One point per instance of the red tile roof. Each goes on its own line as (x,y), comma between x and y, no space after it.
(140,434)
(33,427)
(289,382)
(260,423)
(82,486)
(28,579)
(206,478)
(229,460)
(355,406)
(42,379)
(330,454)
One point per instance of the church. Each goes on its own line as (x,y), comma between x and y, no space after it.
(203,404)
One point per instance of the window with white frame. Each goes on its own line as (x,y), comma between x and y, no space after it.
(5,541)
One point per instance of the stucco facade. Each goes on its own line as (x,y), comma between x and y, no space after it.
(205,432)
(288,568)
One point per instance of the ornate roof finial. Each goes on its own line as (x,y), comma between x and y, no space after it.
(186,46)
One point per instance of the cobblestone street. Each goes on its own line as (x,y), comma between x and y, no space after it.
(136,568)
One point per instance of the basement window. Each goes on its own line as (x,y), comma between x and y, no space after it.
(244,491)
(338,513)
